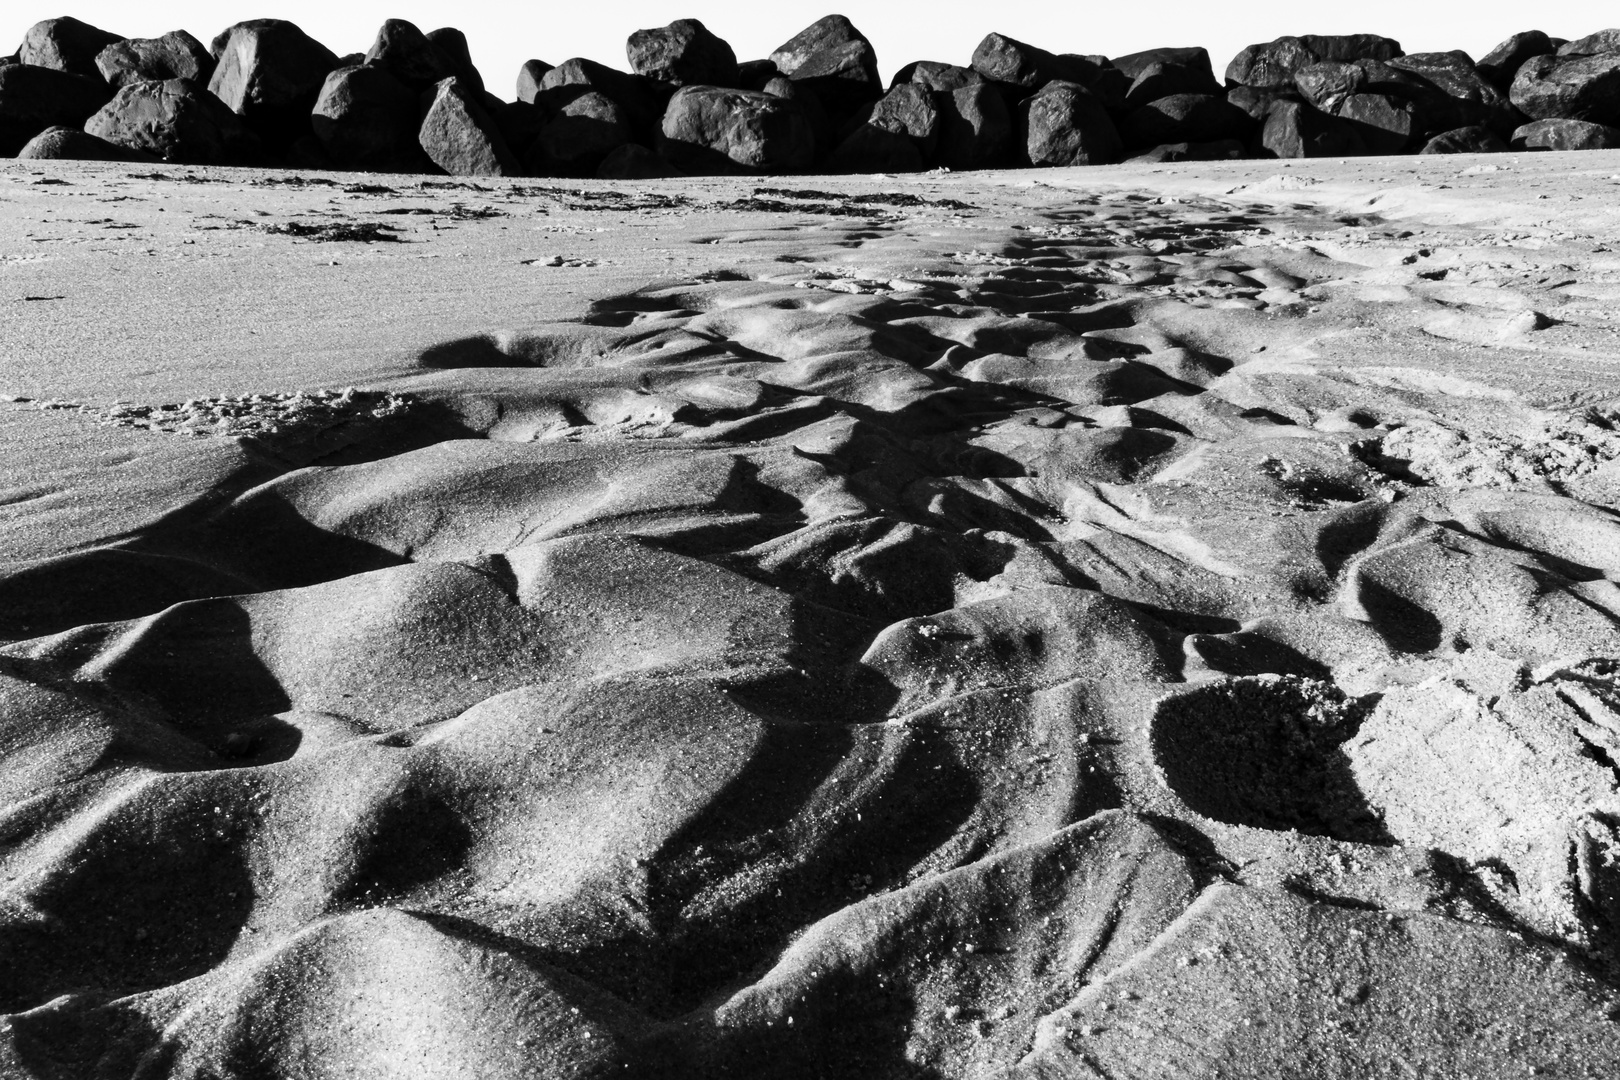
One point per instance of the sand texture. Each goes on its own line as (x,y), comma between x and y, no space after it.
(1127,623)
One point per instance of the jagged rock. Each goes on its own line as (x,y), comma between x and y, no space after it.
(175,55)
(71,144)
(365,118)
(1255,101)
(709,130)
(1006,60)
(1325,84)
(1273,64)
(1559,134)
(1064,124)
(1162,80)
(65,44)
(633,161)
(897,134)
(1601,43)
(935,76)
(1383,123)
(832,32)
(453,44)
(530,77)
(1465,140)
(1460,95)
(1502,63)
(754,74)
(459,135)
(1295,130)
(684,53)
(174,120)
(1582,88)
(976,129)
(1220,150)
(834,60)
(1185,118)
(405,53)
(270,73)
(580,137)
(643,99)
(1197,59)
(34,98)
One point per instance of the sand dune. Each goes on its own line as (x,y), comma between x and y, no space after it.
(1144,623)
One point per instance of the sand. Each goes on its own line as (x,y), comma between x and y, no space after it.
(1135,622)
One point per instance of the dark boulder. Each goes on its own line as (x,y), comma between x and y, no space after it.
(1064,124)
(1599,44)
(754,74)
(530,77)
(405,53)
(805,100)
(832,32)
(1185,118)
(71,144)
(1583,88)
(712,130)
(1352,47)
(1451,93)
(633,161)
(1164,79)
(366,119)
(1295,130)
(177,121)
(684,53)
(460,136)
(843,77)
(175,55)
(576,141)
(34,98)
(520,123)
(453,44)
(270,73)
(1221,150)
(1566,135)
(931,75)
(976,129)
(897,134)
(1502,63)
(66,44)
(1382,122)
(1465,140)
(1011,62)
(642,99)
(1196,59)
(1273,64)
(1257,102)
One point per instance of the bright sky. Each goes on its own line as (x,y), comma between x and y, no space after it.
(503,35)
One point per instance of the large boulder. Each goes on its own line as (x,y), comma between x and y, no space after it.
(580,137)
(402,50)
(1581,88)
(643,99)
(976,129)
(270,73)
(754,74)
(1295,130)
(1384,123)
(175,121)
(832,32)
(1163,79)
(460,136)
(1065,124)
(71,144)
(366,119)
(804,99)
(931,75)
(1467,140)
(175,55)
(835,61)
(1451,93)
(1196,59)
(531,77)
(1179,118)
(65,44)
(453,44)
(1566,135)
(1502,63)
(1255,102)
(1006,60)
(520,124)
(897,134)
(1273,64)
(709,130)
(684,53)
(34,98)
(1604,41)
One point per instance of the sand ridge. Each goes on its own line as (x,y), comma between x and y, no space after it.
(1143,625)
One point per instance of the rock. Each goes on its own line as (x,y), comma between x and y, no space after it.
(1185,118)
(460,137)
(520,124)
(832,32)
(34,98)
(633,162)
(175,55)
(1598,44)
(1005,60)
(270,73)
(1220,150)
(1295,130)
(65,44)
(1255,101)
(843,77)
(754,74)
(582,135)
(935,76)
(976,130)
(643,99)
(365,118)
(176,121)
(898,134)
(1326,83)
(1273,64)
(1502,63)
(1559,134)
(1452,93)
(1161,80)
(71,144)
(1582,88)
(1383,123)
(529,80)
(1352,47)
(803,98)
(405,53)
(684,53)
(453,44)
(1064,124)
(1195,58)
(1465,140)
(708,130)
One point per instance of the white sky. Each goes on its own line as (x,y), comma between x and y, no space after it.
(503,35)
